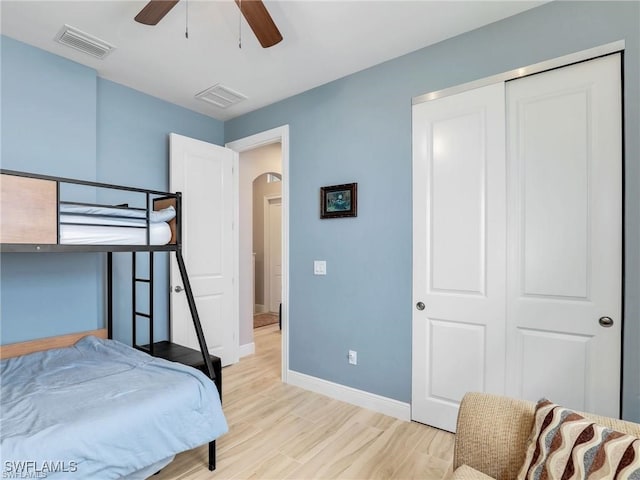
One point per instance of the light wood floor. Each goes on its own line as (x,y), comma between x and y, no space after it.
(278,431)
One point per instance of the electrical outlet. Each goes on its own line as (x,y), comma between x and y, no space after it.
(319,267)
(353,357)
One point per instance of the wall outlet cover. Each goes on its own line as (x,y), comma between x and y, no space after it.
(353,357)
(319,267)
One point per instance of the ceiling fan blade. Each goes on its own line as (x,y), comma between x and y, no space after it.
(154,11)
(260,22)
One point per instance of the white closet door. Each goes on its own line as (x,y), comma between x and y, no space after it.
(458,251)
(564,235)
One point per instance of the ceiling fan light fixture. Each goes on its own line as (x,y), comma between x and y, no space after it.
(220,96)
(82,41)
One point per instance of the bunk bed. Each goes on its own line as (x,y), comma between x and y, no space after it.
(40,213)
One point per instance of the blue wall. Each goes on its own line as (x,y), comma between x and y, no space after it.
(358,129)
(49,126)
(133,149)
(49,113)
(59,118)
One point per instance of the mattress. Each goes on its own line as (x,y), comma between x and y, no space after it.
(129,232)
(101,409)
(98,226)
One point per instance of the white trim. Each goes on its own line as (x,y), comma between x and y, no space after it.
(236,246)
(247,349)
(278,134)
(259,308)
(360,398)
(563,61)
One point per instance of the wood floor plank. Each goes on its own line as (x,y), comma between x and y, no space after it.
(440,445)
(336,456)
(277,467)
(422,467)
(307,445)
(388,452)
(374,419)
(279,431)
(238,433)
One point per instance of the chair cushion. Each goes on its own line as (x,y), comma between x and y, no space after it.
(566,445)
(465,472)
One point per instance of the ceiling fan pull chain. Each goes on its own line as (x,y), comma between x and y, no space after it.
(186,20)
(240,25)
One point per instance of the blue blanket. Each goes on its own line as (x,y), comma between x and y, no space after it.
(101,410)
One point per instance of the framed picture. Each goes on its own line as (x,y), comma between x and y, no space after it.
(339,201)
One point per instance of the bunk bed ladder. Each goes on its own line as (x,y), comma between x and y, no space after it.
(109,295)
(135,314)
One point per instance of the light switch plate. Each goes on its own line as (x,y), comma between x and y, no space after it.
(319,267)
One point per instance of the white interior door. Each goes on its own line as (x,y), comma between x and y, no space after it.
(458,252)
(565,235)
(274,247)
(203,173)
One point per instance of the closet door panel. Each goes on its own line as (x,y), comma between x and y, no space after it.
(458,252)
(468,341)
(564,235)
(564,355)
(458,200)
(554,155)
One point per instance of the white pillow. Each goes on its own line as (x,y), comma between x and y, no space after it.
(163,215)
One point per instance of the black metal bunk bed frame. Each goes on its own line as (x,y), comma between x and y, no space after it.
(161,349)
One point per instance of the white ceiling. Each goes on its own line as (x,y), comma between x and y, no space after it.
(323,41)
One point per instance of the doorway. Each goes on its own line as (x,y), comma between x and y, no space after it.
(267,248)
(250,166)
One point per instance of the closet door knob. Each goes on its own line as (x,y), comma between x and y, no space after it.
(606,321)
(420,306)
(178,289)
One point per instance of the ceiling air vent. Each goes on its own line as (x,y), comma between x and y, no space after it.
(74,38)
(220,96)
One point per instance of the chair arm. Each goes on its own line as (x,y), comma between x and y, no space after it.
(492,434)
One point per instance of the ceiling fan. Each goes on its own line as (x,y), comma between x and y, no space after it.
(253,11)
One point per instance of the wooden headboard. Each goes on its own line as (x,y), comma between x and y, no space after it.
(22,348)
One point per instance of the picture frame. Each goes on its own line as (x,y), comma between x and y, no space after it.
(339,201)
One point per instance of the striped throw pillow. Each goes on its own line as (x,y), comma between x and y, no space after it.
(566,446)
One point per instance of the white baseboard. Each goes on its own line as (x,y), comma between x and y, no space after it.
(258,308)
(360,398)
(247,349)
